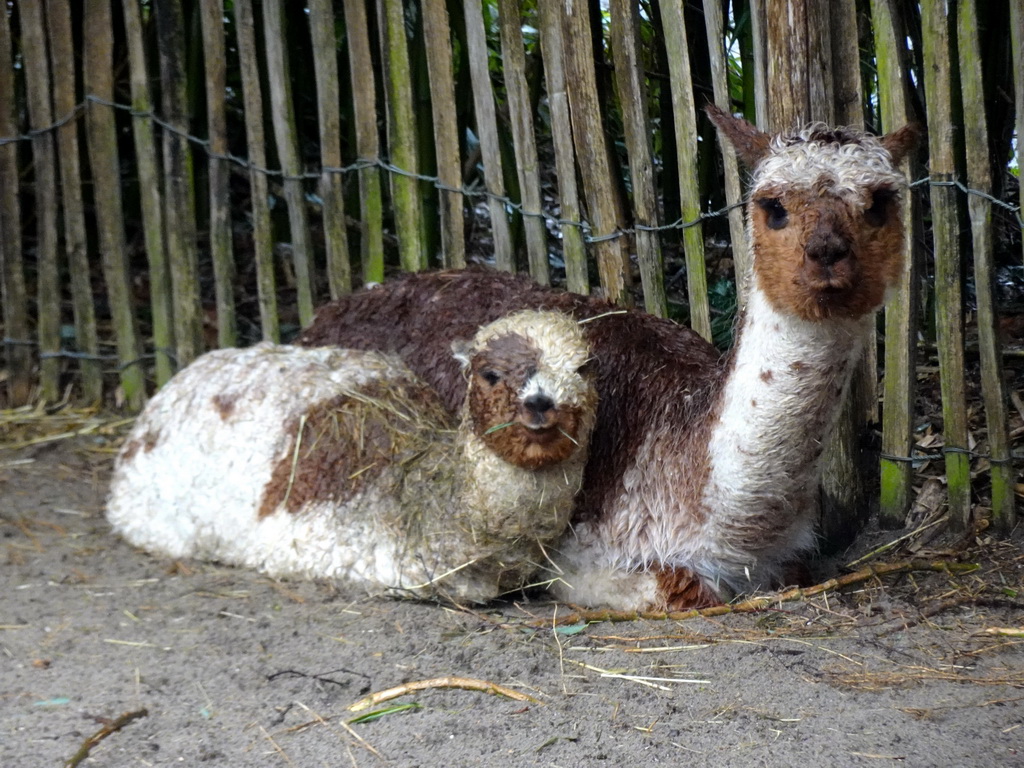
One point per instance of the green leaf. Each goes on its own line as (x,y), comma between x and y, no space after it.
(572,629)
(378,713)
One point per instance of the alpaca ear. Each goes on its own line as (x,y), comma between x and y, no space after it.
(751,145)
(902,142)
(463,350)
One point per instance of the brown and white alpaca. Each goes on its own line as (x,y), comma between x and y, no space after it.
(343,464)
(704,471)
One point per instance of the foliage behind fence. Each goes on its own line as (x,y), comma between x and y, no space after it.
(177,175)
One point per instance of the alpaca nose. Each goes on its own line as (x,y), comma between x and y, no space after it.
(539,406)
(827,248)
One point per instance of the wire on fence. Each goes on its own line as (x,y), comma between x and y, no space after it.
(471,192)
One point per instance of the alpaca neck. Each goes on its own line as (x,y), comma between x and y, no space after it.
(506,502)
(784,386)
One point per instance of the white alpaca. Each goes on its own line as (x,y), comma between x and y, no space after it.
(343,464)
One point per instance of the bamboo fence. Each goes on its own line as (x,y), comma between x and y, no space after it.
(177,175)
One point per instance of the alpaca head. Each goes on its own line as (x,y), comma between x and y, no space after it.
(530,397)
(824,215)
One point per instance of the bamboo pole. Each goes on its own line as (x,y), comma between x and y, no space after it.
(282,112)
(846,80)
(13,288)
(101,137)
(714,25)
(799,65)
(325,59)
(62,62)
(436,31)
(221,248)
(845,504)
(632,91)
(849,110)
(48,293)
(800,47)
(364,106)
(487,132)
(1017,46)
(759,35)
(523,137)
(263,244)
(574,253)
(685,119)
(402,139)
(901,310)
(937,51)
(150,196)
(979,177)
(592,153)
(179,194)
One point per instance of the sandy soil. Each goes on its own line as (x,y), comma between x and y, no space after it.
(234,669)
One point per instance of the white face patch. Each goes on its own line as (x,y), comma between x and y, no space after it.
(846,170)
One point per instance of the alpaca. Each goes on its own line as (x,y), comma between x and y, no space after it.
(704,470)
(343,464)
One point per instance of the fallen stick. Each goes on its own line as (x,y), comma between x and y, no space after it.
(102,733)
(760,602)
(466,683)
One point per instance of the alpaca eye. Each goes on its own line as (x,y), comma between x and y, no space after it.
(776,213)
(878,213)
(491,377)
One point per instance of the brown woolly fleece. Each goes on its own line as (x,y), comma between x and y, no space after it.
(645,366)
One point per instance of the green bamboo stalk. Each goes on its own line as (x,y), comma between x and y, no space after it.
(714,25)
(325,59)
(252,93)
(150,196)
(979,177)
(48,293)
(686,151)
(13,288)
(221,249)
(437,36)
(573,250)
(523,137)
(487,132)
(282,112)
(402,138)
(901,310)
(101,137)
(62,62)
(364,105)
(625,20)
(179,193)
(592,152)
(938,56)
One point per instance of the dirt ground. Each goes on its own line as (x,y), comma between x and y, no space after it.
(207,665)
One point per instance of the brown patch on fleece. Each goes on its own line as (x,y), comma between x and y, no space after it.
(225,404)
(680,589)
(146,443)
(652,375)
(902,141)
(347,444)
(750,144)
(828,259)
